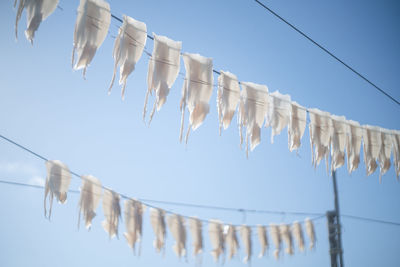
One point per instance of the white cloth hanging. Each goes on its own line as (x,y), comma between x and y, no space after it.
(228,95)
(338,141)
(286,235)
(217,239)
(372,146)
(176,225)
(276,239)
(262,238)
(278,114)
(89,200)
(297,232)
(36,12)
(91,28)
(297,125)
(354,137)
(128,49)
(112,212)
(231,240)
(245,234)
(396,151)
(253,106)
(385,152)
(196,229)
(157,220)
(133,222)
(320,135)
(196,91)
(164,65)
(57,183)
(310,232)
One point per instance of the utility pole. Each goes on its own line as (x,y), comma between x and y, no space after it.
(334,229)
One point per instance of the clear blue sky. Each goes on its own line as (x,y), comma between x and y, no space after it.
(47,106)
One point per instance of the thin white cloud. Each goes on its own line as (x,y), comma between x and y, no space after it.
(19,168)
(37,180)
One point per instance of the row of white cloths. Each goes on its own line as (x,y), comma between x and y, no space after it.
(330,135)
(223,237)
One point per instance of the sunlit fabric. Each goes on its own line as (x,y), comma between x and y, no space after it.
(228,95)
(309,225)
(196,229)
(297,232)
(164,65)
(320,135)
(157,220)
(396,151)
(196,91)
(217,239)
(276,239)
(176,225)
(231,240)
(57,183)
(90,199)
(385,152)
(133,222)
(128,49)
(338,141)
(354,137)
(253,106)
(112,212)
(245,234)
(278,114)
(263,239)
(297,125)
(372,146)
(91,29)
(286,236)
(36,12)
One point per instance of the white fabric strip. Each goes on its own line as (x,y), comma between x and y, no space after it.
(90,199)
(228,95)
(278,114)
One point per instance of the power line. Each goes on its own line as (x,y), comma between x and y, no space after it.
(369,219)
(328,52)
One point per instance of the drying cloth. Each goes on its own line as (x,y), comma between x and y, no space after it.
(227,98)
(133,222)
(176,225)
(310,232)
(396,151)
(245,234)
(385,152)
(196,91)
(286,236)
(231,240)
(157,219)
(297,125)
(196,229)
(89,200)
(57,183)
(276,239)
(338,141)
(217,239)
(372,146)
(297,232)
(354,136)
(36,12)
(278,114)
(253,106)
(91,29)
(262,237)
(112,212)
(164,65)
(128,49)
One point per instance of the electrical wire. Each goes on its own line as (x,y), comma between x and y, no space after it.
(328,52)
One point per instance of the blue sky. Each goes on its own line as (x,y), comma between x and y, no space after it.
(48,107)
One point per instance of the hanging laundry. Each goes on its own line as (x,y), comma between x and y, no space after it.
(253,106)
(57,183)
(276,239)
(133,222)
(385,152)
(245,233)
(228,95)
(338,141)
(372,147)
(164,65)
(196,91)
(320,135)
(286,235)
(278,114)
(297,232)
(217,239)
(297,125)
(91,29)
(157,219)
(89,200)
(396,151)
(36,12)
(353,142)
(310,232)
(196,229)
(231,240)
(262,237)
(112,212)
(176,225)
(128,49)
